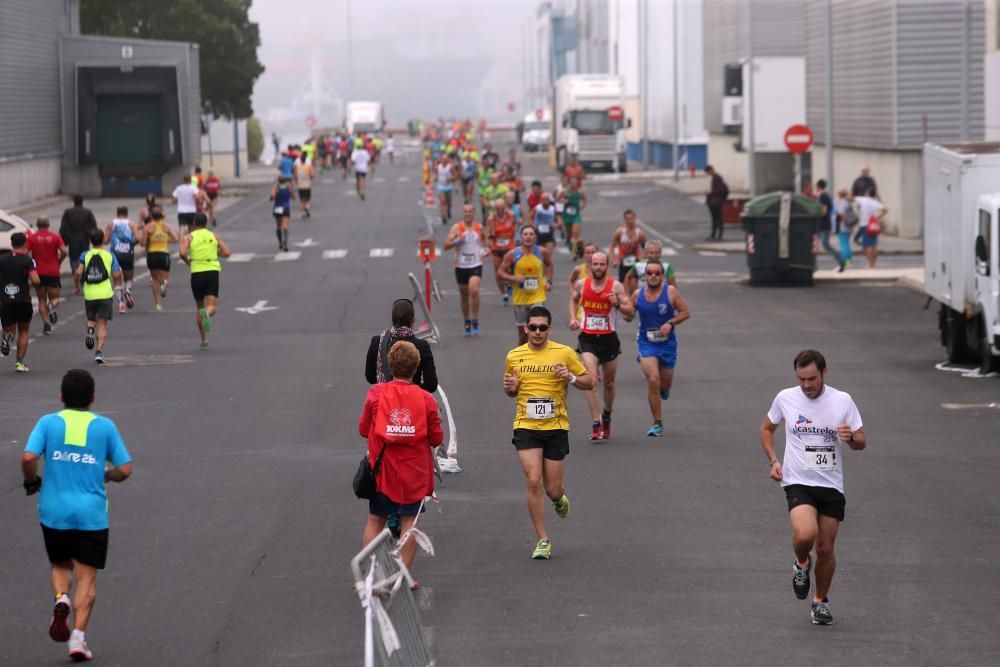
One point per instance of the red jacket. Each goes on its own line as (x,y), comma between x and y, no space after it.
(407,472)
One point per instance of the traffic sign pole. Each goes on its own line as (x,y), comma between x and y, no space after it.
(798,140)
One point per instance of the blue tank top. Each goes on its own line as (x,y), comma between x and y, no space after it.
(287,164)
(122,239)
(654,315)
(545,219)
(283,197)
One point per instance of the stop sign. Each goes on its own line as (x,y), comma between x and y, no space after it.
(510,106)
(798,138)
(310,122)
(539,113)
(616,113)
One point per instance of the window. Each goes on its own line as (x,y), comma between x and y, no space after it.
(5,226)
(593,122)
(536,126)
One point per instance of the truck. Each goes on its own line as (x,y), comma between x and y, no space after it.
(364,117)
(961,252)
(537,130)
(589,121)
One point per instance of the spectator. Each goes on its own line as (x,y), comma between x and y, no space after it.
(845,220)
(864,184)
(77,224)
(402,425)
(827,223)
(715,197)
(870,214)
(377,365)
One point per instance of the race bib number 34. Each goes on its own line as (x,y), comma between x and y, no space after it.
(821,457)
(540,408)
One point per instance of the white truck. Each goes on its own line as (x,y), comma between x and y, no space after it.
(590,121)
(364,117)
(961,251)
(537,130)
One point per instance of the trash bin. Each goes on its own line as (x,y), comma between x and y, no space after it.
(782,240)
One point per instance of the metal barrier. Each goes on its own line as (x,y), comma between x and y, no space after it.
(393,628)
(429,330)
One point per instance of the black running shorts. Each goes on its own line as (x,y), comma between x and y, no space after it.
(827,501)
(462,276)
(554,443)
(89,547)
(50,281)
(205,283)
(606,347)
(16,312)
(185,219)
(99,309)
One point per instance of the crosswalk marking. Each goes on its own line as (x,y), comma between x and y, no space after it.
(711,253)
(669,252)
(381,252)
(334,254)
(562,250)
(241,257)
(287,256)
(404,179)
(380,179)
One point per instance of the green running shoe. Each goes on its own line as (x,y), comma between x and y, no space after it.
(561,506)
(543,550)
(206,321)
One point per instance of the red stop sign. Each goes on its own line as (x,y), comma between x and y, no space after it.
(616,113)
(798,138)
(539,114)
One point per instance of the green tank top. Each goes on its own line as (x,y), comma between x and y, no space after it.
(204,251)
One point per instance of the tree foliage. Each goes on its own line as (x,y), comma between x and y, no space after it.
(226,37)
(255,139)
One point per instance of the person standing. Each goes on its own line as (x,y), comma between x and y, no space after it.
(77,446)
(48,250)
(201,249)
(17,276)
(186,197)
(377,360)
(529,268)
(101,276)
(819,420)
(75,228)
(122,235)
(715,197)
(846,220)
(871,212)
(537,374)
(276,142)
(864,185)
(158,236)
(467,239)
(828,223)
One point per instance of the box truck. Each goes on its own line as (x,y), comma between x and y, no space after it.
(589,115)
(537,130)
(364,117)
(961,252)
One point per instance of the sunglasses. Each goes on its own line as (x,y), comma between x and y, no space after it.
(654,273)
(538,327)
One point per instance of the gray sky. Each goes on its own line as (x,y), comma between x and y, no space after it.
(422,59)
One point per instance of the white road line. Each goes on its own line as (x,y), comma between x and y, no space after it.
(287,256)
(669,252)
(379,179)
(381,252)
(334,254)
(711,253)
(663,237)
(240,257)
(404,179)
(562,250)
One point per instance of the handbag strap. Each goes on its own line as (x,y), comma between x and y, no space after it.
(378,461)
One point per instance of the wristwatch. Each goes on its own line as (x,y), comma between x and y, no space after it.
(572,379)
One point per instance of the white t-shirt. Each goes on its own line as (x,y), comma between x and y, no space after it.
(812,448)
(360,158)
(185,194)
(444,174)
(390,146)
(867,207)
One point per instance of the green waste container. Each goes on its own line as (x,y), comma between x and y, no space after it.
(782,239)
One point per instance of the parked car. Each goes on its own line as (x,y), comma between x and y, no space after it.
(10,224)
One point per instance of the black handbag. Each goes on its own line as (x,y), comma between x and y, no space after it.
(364,478)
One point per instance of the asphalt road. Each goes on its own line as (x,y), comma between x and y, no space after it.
(231,542)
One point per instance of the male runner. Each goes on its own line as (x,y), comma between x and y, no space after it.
(661,308)
(626,245)
(445,177)
(600,298)
(490,157)
(201,249)
(122,234)
(186,196)
(78,447)
(48,250)
(158,237)
(360,157)
(818,418)
(537,374)
(545,220)
(281,203)
(636,276)
(343,155)
(575,201)
(501,230)
(484,177)
(17,276)
(101,277)
(212,188)
(467,239)
(304,174)
(530,268)
(574,170)
(493,193)
(390,149)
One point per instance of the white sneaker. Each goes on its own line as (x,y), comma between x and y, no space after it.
(78,651)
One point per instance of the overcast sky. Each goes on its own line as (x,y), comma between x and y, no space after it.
(422,59)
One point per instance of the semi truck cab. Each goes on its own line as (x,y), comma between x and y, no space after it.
(987,280)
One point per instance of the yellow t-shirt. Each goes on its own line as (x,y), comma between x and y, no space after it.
(532,266)
(541,396)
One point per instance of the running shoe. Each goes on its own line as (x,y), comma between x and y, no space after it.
(505,300)
(475,327)
(163,289)
(204,345)
(78,651)
(606,425)
(20,367)
(800,579)
(821,614)
(468,329)
(90,341)
(5,344)
(596,433)
(122,309)
(129,299)
(543,550)
(159,307)
(53,315)
(46,329)
(206,321)
(98,357)
(561,506)
(656,430)
(664,394)
(58,628)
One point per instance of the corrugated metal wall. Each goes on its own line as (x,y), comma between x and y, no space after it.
(778,30)
(29,76)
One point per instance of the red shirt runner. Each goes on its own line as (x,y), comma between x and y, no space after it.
(598,314)
(44,246)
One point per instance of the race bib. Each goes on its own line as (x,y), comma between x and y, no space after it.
(821,457)
(503,243)
(597,323)
(469,259)
(540,408)
(544,228)
(571,210)
(530,284)
(629,260)
(279,210)
(654,336)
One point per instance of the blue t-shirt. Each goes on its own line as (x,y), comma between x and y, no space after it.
(287,164)
(75,444)
(115,266)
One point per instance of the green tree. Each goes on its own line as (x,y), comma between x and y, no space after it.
(255,139)
(227,40)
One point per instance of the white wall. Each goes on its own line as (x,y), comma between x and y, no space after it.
(23,181)
(220,157)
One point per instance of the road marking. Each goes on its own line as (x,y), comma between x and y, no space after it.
(148,360)
(306,244)
(562,250)
(380,179)
(287,256)
(381,252)
(350,192)
(334,254)
(240,257)
(259,307)
(966,372)
(970,406)
(669,252)
(711,253)
(329,180)
(663,237)
(404,179)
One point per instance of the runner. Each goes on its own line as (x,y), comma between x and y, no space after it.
(537,374)
(574,171)
(575,201)
(468,168)
(77,446)
(582,270)
(490,157)
(122,234)
(600,298)
(661,308)
(467,239)
(445,179)
(286,166)
(201,249)
(304,174)
(281,203)
(102,278)
(626,245)
(212,187)
(390,149)
(818,418)
(17,275)
(158,238)
(186,197)
(636,276)
(545,220)
(484,179)
(48,251)
(494,192)
(535,195)
(501,230)
(360,157)
(343,155)
(530,269)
